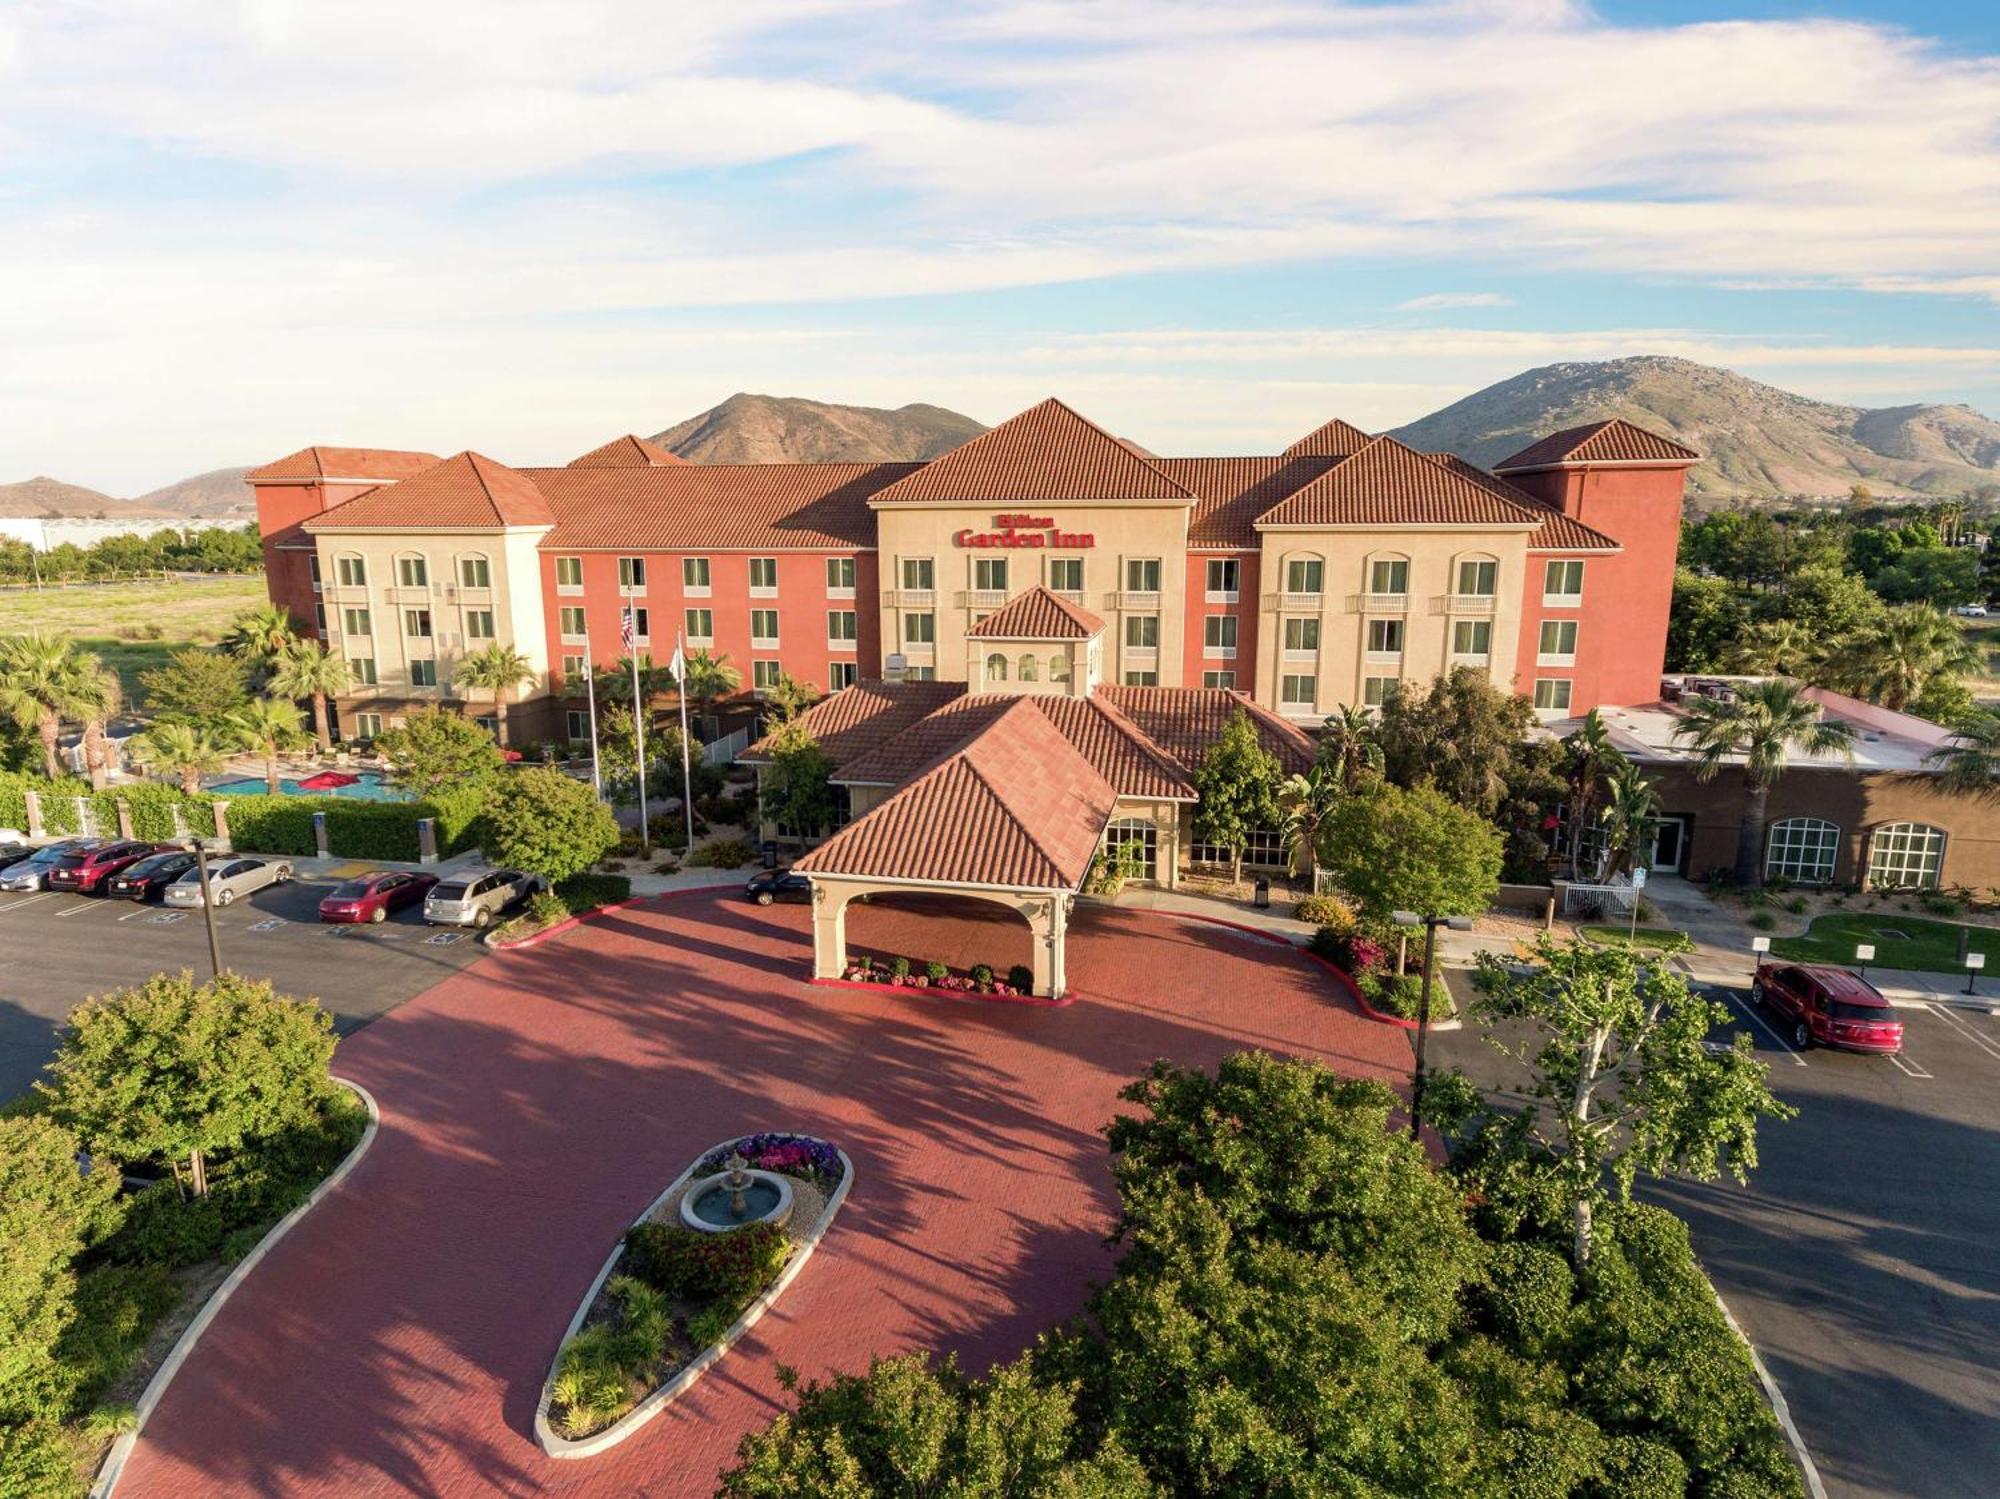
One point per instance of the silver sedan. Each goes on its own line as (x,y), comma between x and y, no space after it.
(229,879)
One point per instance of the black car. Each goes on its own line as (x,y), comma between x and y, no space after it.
(149,878)
(778,884)
(13,853)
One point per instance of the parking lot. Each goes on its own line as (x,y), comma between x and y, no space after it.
(1861,1259)
(56,948)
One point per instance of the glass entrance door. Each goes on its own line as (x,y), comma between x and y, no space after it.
(1669,844)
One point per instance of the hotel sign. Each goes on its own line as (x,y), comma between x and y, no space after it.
(1024,531)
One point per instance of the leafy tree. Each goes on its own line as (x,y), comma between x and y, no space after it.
(1777,646)
(1706,615)
(1591,758)
(259,636)
(1535,790)
(1826,601)
(1760,726)
(433,751)
(182,750)
(1944,576)
(1305,802)
(306,669)
(789,697)
(1393,849)
(1458,735)
(268,727)
(1623,1075)
(544,822)
(1899,655)
(46,681)
(498,670)
(1631,807)
(51,1205)
(795,787)
(1872,548)
(174,1070)
(196,686)
(1238,784)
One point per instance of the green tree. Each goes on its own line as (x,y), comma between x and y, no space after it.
(497,670)
(1942,576)
(174,1070)
(196,686)
(1872,548)
(258,637)
(1393,849)
(1631,808)
(789,697)
(542,821)
(1969,763)
(1305,802)
(706,678)
(1350,746)
(307,670)
(102,698)
(1778,646)
(1238,784)
(796,785)
(1458,734)
(50,1208)
(181,750)
(1760,727)
(1706,616)
(1624,1079)
(432,752)
(45,682)
(268,727)
(1899,655)
(1826,601)
(1591,757)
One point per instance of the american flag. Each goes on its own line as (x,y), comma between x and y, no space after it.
(625,629)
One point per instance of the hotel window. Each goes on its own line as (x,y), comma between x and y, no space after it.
(1142,632)
(312,568)
(356,622)
(319,618)
(840,625)
(1552,694)
(489,723)
(417,624)
(1557,646)
(1562,583)
(1059,667)
(1803,851)
(1905,856)
(1375,690)
(990,574)
(764,675)
(578,723)
(368,726)
(1389,575)
(700,624)
(996,667)
(572,670)
(413,572)
(763,576)
(1223,679)
(694,575)
(632,573)
(1224,574)
(572,623)
(1478,579)
(1066,574)
(1219,634)
(642,630)
(474,572)
(423,673)
(841,674)
(1472,637)
(1298,692)
(919,573)
(764,626)
(352,572)
(1304,575)
(1301,634)
(362,669)
(920,673)
(1385,637)
(919,629)
(569,574)
(840,577)
(1142,679)
(1026,669)
(479,624)
(1142,575)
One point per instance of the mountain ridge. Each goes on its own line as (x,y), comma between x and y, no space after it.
(751,428)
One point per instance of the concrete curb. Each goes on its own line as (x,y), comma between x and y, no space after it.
(927,992)
(558,1446)
(1775,1396)
(156,1388)
(567,923)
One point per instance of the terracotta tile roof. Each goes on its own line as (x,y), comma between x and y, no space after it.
(1037,615)
(1615,441)
(1557,532)
(1389,484)
(628,452)
(1016,806)
(1337,439)
(380,464)
(1046,455)
(855,720)
(1185,721)
(720,507)
(1230,493)
(466,490)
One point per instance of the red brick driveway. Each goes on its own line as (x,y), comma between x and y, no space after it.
(396,1340)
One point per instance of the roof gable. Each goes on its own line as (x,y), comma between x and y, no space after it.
(1556,533)
(1047,454)
(464,491)
(1230,493)
(716,506)
(1388,483)
(857,720)
(629,452)
(1186,721)
(380,464)
(1336,439)
(1614,441)
(1037,615)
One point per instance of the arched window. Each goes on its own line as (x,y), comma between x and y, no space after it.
(350,570)
(1477,576)
(996,667)
(1024,669)
(474,571)
(412,571)
(1305,572)
(1389,575)
(1905,856)
(1059,667)
(1802,850)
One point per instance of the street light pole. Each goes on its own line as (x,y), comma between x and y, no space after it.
(208,906)
(1430,924)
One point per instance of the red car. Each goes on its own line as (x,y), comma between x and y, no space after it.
(374,896)
(88,870)
(1829,1005)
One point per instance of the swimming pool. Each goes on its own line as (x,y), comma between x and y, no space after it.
(369,786)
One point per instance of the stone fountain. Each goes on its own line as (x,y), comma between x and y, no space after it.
(736,1195)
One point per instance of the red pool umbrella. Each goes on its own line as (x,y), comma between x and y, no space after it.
(327,780)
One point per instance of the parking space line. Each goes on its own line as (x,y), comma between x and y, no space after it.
(1909,1066)
(1944,1013)
(135,914)
(1750,1010)
(84,903)
(28,901)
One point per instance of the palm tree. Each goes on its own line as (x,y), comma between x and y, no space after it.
(1759,727)
(179,749)
(707,677)
(1631,807)
(1306,802)
(44,681)
(1892,660)
(1350,747)
(261,636)
(305,669)
(1970,764)
(268,726)
(498,669)
(1592,757)
(1779,647)
(102,696)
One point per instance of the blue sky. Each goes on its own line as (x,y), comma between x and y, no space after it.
(520,226)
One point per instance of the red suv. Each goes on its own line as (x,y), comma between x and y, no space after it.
(1829,1005)
(88,869)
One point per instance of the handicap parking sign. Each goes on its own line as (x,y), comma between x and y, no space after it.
(269,924)
(444,939)
(168,918)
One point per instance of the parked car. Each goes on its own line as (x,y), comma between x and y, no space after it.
(373,896)
(32,872)
(475,898)
(86,870)
(777,884)
(1971,611)
(150,877)
(13,853)
(1833,1006)
(230,879)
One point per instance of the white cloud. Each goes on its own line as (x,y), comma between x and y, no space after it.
(1447,299)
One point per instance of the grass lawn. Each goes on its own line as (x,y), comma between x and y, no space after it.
(1646,937)
(1926,946)
(115,619)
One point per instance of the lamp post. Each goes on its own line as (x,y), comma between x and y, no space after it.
(208,906)
(1430,924)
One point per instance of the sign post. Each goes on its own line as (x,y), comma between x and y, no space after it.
(1864,954)
(1638,884)
(1974,961)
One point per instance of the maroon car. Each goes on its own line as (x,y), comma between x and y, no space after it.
(88,870)
(1830,1005)
(374,896)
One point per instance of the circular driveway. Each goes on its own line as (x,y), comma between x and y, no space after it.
(396,1340)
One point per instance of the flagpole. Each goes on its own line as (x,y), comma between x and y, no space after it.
(639,714)
(687,773)
(590,691)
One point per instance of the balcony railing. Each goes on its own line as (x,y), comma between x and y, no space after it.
(983,598)
(912,598)
(1381,603)
(1465,603)
(1136,598)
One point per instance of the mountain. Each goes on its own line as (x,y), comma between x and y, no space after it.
(1758,441)
(43,497)
(785,429)
(219,493)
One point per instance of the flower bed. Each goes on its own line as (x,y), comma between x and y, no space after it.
(671,1300)
(902,973)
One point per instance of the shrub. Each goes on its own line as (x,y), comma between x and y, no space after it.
(1325,911)
(1021,978)
(163,1228)
(730,1268)
(1763,921)
(37,1461)
(1798,905)
(899,968)
(982,975)
(721,853)
(705,1328)
(935,971)
(49,1210)
(545,908)
(117,1307)
(1354,954)
(1402,995)
(1941,905)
